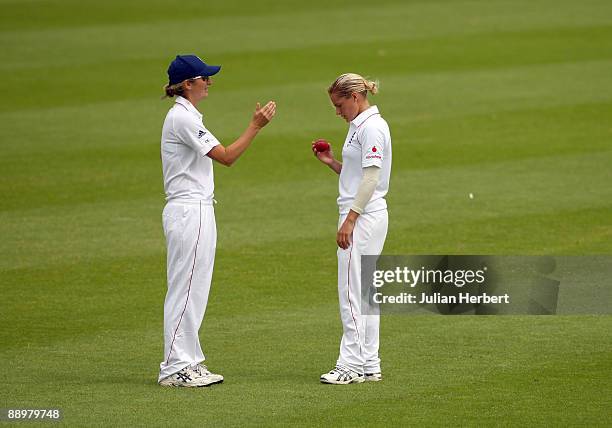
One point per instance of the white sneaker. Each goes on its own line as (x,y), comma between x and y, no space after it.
(209,378)
(373,377)
(186,378)
(341,375)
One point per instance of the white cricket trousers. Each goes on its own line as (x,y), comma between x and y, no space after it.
(191,239)
(359,345)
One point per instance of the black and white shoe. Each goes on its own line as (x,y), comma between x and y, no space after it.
(192,377)
(186,377)
(209,377)
(341,375)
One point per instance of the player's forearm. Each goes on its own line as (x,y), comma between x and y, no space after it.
(336,166)
(238,147)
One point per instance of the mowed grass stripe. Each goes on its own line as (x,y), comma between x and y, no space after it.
(120,278)
(408,56)
(485,138)
(134,285)
(568,231)
(526,372)
(108,84)
(488,138)
(268,279)
(269,332)
(93,141)
(423,141)
(538,185)
(223,336)
(501,189)
(381,57)
(60,14)
(304,106)
(243,33)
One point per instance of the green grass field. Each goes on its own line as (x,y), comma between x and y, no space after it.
(508,100)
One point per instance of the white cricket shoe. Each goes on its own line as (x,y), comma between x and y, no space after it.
(341,375)
(186,377)
(210,378)
(373,377)
(189,378)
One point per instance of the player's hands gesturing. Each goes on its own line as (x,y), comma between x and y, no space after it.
(263,115)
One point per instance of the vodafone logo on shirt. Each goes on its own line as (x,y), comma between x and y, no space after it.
(374,154)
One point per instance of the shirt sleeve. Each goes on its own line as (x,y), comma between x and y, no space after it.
(372,147)
(195,135)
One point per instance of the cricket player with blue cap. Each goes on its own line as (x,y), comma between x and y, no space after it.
(188,149)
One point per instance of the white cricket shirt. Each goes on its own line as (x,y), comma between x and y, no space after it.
(188,172)
(368,143)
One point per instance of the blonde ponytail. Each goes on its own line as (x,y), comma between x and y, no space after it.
(349,83)
(371,86)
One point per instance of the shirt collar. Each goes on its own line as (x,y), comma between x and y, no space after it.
(361,117)
(187,104)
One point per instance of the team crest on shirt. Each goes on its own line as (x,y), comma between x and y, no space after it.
(201,133)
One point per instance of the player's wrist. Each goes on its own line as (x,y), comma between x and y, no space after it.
(254,127)
(352,216)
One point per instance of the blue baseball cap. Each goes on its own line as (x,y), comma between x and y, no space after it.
(189,66)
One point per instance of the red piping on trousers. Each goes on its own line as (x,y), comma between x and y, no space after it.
(195,253)
(348,293)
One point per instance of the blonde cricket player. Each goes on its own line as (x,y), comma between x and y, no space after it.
(362,227)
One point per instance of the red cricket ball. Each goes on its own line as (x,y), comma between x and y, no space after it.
(321,146)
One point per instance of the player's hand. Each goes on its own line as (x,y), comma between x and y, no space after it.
(344,237)
(263,115)
(326,157)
